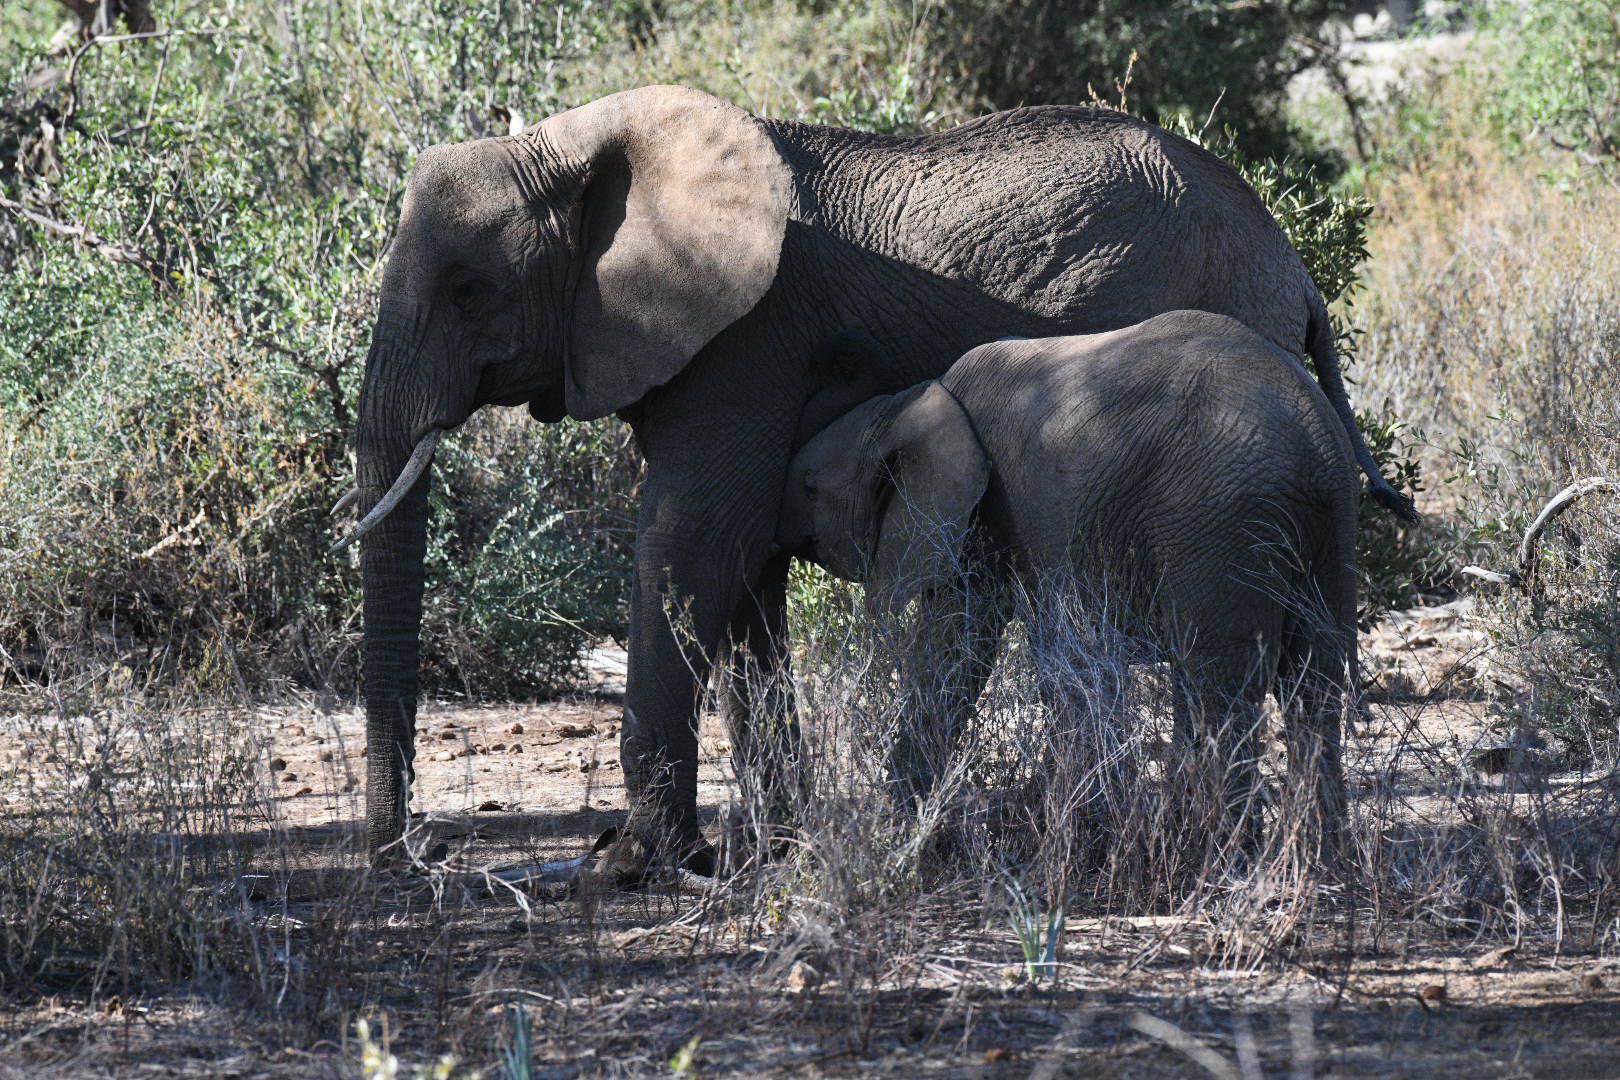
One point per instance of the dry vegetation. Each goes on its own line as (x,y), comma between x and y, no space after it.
(180,886)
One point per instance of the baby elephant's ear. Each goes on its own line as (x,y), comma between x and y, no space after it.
(937,472)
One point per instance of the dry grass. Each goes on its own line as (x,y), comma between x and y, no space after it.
(163,906)
(1493,321)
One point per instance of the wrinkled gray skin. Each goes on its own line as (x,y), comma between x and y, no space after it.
(1185,460)
(666,256)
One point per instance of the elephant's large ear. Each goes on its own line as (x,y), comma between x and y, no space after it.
(681,217)
(936,472)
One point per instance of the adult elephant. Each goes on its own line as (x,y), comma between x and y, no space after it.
(666,256)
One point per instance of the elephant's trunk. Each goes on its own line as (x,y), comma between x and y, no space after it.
(391,557)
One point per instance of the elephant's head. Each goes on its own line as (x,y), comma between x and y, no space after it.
(884,494)
(575,267)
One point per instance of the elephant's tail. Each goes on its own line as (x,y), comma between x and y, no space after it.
(1324,351)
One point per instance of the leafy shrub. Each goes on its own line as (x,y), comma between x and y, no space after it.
(177,424)
(1169,55)
(1560,76)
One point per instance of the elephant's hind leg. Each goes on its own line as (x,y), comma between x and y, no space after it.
(1313,680)
(1223,678)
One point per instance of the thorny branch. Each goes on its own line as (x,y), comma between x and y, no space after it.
(158,271)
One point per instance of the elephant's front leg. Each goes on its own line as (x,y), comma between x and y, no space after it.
(707,518)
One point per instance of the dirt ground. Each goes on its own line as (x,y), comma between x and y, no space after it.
(671,982)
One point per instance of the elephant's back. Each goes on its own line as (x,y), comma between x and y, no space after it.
(1177,432)
(1085,217)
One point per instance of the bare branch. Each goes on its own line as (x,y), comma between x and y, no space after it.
(119,253)
(1556,506)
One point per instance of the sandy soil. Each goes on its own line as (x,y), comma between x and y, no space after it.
(623,985)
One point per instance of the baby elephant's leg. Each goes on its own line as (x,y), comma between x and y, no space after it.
(1225,671)
(1313,681)
(950,658)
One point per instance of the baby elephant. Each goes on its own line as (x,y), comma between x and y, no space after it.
(1186,454)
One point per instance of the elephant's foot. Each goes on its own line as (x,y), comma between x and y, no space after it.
(631,861)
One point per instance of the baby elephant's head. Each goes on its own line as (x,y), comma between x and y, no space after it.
(884,494)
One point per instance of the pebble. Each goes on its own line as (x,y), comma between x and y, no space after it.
(515,748)
(1434,993)
(278,764)
(445,755)
(514,729)
(296,729)
(802,977)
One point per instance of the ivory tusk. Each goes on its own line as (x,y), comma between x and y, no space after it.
(344,503)
(408,476)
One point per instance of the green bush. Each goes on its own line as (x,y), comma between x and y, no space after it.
(1168,56)
(1559,76)
(174,430)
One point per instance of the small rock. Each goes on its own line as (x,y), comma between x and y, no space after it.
(447,735)
(514,729)
(304,791)
(278,764)
(325,755)
(1434,993)
(496,748)
(515,748)
(362,751)
(289,778)
(445,755)
(1592,981)
(576,731)
(348,786)
(295,729)
(802,977)
(489,806)
(997,1053)
(1495,958)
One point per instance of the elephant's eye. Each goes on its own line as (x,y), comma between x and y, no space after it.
(809,483)
(468,290)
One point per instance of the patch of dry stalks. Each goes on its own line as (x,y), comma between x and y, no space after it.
(1493,322)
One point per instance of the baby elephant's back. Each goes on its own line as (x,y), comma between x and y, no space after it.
(1187,433)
